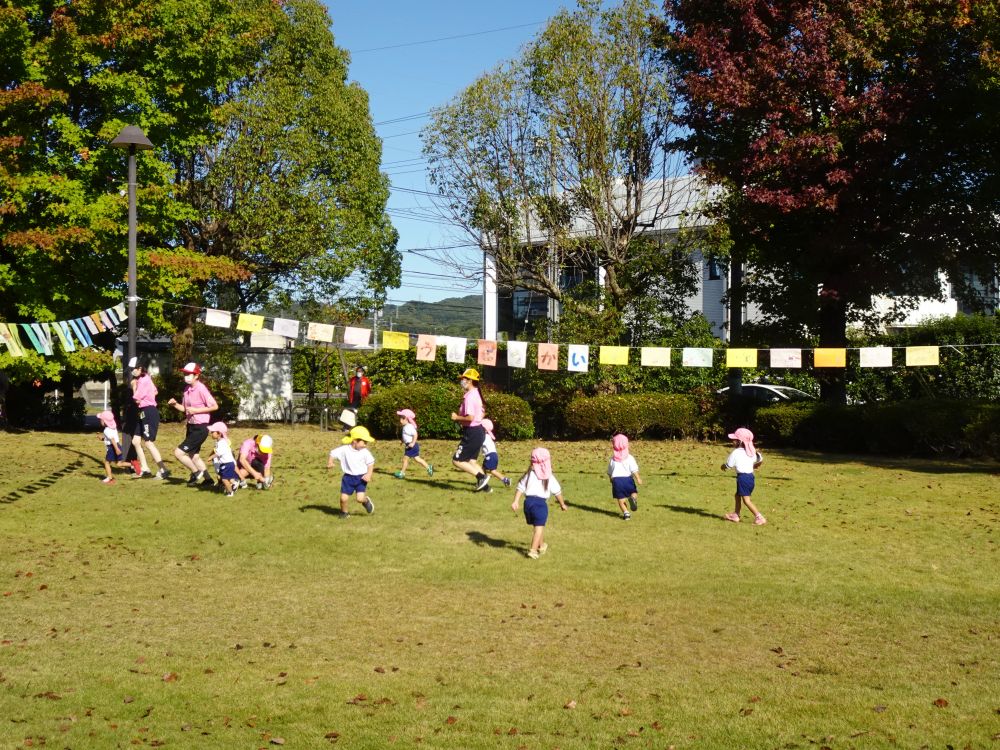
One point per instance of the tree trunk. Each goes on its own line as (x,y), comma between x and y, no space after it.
(184,338)
(832,333)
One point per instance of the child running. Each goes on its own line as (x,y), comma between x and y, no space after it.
(744,458)
(411,448)
(223,455)
(537,484)
(491,459)
(113,452)
(623,470)
(357,463)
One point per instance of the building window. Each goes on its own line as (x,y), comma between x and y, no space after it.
(713,270)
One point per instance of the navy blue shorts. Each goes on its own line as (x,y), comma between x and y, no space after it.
(471,443)
(491,461)
(412,452)
(196,435)
(622,487)
(149,422)
(228,471)
(110,456)
(536,510)
(744,485)
(351,483)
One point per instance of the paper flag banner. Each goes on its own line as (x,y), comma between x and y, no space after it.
(487,352)
(320,332)
(654,356)
(830,357)
(922,356)
(106,319)
(218,318)
(357,336)
(81,331)
(10,339)
(120,311)
(456,350)
(876,356)
(613,355)
(248,322)
(287,328)
(91,325)
(578,358)
(426,348)
(741,357)
(67,343)
(693,356)
(44,338)
(113,316)
(98,323)
(548,356)
(517,353)
(395,340)
(786,358)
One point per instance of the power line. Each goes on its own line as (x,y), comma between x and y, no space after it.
(445,38)
(417,116)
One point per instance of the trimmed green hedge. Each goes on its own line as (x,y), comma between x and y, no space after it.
(928,427)
(434,403)
(634,414)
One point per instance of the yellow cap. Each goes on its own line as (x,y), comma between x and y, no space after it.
(358,433)
(471,373)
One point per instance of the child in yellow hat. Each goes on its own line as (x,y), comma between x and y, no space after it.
(357,463)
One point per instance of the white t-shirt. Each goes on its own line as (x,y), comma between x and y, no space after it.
(111,436)
(224,451)
(489,445)
(409,434)
(533,486)
(353,462)
(625,468)
(740,461)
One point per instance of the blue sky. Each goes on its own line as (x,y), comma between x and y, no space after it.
(404,80)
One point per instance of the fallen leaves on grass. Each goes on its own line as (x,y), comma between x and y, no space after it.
(170,677)
(941,703)
(570,705)
(451,720)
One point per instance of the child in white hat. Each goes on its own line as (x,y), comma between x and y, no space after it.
(223,454)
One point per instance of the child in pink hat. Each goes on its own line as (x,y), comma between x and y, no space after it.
(223,454)
(744,458)
(113,451)
(491,459)
(623,471)
(411,448)
(536,486)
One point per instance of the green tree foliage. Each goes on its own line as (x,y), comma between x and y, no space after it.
(558,161)
(856,142)
(264,180)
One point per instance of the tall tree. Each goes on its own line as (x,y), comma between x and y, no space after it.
(560,161)
(856,142)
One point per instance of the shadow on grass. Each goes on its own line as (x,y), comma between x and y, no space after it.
(328,509)
(919,465)
(483,540)
(41,484)
(690,511)
(592,509)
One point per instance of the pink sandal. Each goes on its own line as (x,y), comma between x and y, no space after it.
(734,517)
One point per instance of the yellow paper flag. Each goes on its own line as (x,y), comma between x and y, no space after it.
(247,322)
(830,358)
(613,355)
(922,356)
(395,340)
(741,357)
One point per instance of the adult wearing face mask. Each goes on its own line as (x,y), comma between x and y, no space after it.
(196,405)
(358,388)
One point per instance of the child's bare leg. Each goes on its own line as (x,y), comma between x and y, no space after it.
(621,504)
(406,462)
(421,461)
(750,506)
(536,537)
(107,469)
(361,497)
(228,484)
(343,502)
(739,500)
(497,474)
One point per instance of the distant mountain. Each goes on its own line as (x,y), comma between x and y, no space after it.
(454,316)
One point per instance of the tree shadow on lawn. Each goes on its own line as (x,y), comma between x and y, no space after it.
(592,509)
(691,511)
(41,484)
(328,509)
(919,465)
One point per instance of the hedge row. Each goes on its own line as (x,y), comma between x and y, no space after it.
(926,427)
(434,403)
(653,414)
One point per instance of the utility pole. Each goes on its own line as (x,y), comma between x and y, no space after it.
(553,265)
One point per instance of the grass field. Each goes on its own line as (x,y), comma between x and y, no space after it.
(865,614)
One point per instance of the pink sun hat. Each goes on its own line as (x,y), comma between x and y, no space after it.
(488,426)
(541,463)
(746,439)
(108,418)
(219,427)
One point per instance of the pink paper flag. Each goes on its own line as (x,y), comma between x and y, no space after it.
(426,347)
(487,352)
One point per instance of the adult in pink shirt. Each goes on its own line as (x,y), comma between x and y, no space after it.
(470,418)
(254,460)
(196,405)
(144,395)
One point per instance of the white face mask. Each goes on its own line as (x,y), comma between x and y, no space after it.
(189,379)
(360,373)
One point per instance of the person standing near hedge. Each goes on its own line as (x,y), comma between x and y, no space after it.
(744,459)
(623,471)
(470,417)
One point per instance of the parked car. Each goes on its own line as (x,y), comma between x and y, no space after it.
(766,393)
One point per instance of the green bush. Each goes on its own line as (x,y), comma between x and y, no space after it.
(434,403)
(634,414)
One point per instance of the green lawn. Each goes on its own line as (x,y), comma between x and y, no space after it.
(865,614)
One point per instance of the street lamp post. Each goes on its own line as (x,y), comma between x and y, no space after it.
(134,140)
